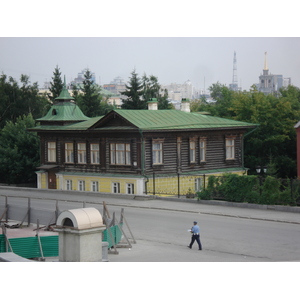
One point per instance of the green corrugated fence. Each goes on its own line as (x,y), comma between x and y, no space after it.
(28,247)
(116,234)
(2,243)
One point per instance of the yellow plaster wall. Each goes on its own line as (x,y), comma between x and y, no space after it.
(44,183)
(104,184)
(169,185)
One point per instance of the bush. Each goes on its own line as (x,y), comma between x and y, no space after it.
(251,189)
(236,188)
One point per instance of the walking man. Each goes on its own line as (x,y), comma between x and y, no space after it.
(195,231)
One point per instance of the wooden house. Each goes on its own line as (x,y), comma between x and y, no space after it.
(130,151)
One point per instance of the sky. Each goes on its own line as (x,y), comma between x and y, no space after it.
(202,60)
(175,42)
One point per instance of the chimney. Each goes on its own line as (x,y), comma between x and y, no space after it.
(185,105)
(152,104)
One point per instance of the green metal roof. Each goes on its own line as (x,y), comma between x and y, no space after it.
(137,119)
(64,111)
(176,119)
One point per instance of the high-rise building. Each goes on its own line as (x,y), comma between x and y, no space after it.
(178,91)
(80,77)
(269,83)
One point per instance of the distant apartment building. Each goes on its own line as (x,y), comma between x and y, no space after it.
(178,91)
(115,87)
(112,91)
(80,78)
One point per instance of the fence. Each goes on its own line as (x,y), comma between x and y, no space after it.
(22,209)
(47,246)
(175,185)
(230,187)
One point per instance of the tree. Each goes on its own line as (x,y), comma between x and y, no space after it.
(57,85)
(89,101)
(273,142)
(75,91)
(152,89)
(16,101)
(19,151)
(275,138)
(223,97)
(134,92)
(31,101)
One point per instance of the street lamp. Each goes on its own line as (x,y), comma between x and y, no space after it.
(264,171)
(259,168)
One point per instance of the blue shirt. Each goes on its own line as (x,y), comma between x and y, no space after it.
(195,229)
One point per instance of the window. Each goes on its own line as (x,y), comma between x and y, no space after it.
(69,185)
(130,188)
(192,151)
(51,151)
(81,185)
(95,186)
(69,152)
(229,148)
(198,184)
(116,187)
(120,154)
(95,156)
(81,153)
(157,152)
(202,150)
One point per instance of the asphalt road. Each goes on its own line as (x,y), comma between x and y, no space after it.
(228,234)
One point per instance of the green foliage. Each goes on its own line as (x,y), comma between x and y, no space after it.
(56,85)
(152,89)
(134,92)
(19,151)
(275,138)
(140,90)
(89,101)
(16,101)
(251,189)
(237,188)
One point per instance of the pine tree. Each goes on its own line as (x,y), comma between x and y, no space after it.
(152,89)
(56,85)
(89,102)
(134,92)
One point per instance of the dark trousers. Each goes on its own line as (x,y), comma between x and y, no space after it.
(196,237)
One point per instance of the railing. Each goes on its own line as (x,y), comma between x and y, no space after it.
(228,187)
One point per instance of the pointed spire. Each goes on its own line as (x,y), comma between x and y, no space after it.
(64,95)
(266,63)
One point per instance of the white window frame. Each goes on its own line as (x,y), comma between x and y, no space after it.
(69,185)
(202,147)
(120,154)
(81,153)
(198,184)
(95,186)
(157,152)
(230,148)
(81,185)
(51,146)
(192,151)
(95,153)
(115,187)
(69,152)
(130,188)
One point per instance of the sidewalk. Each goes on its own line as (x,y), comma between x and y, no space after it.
(150,251)
(222,208)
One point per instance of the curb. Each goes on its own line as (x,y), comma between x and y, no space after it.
(283,208)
